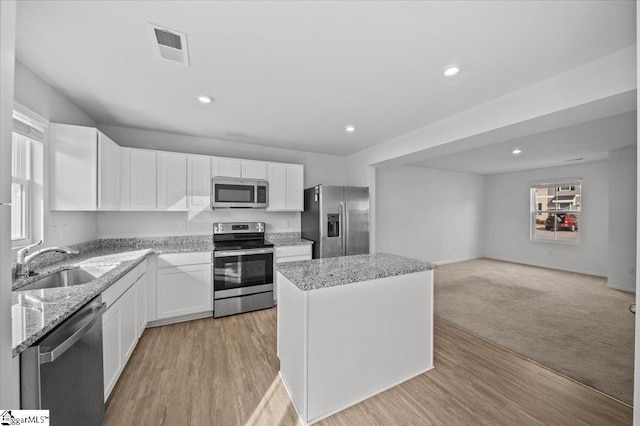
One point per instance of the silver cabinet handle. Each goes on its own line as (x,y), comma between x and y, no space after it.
(71,331)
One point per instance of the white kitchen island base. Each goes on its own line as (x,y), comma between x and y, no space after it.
(342,344)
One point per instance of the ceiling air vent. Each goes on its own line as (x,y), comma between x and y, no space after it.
(169,44)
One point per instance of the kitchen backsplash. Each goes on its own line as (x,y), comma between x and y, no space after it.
(153,224)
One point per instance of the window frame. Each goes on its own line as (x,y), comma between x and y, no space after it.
(39,124)
(560,185)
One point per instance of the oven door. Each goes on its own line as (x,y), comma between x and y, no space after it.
(240,272)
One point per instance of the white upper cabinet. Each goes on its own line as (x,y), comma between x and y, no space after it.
(254,169)
(108,173)
(85,169)
(172,185)
(227,167)
(236,168)
(286,187)
(198,182)
(277,186)
(143,187)
(295,187)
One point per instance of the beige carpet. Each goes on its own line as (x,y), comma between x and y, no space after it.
(571,323)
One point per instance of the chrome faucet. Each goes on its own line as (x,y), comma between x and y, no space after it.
(24,258)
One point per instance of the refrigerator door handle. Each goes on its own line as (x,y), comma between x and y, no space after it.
(346,228)
(343,240)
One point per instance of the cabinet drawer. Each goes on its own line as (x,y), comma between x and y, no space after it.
(113,293)
(182,259)
(294,258)
(287,251)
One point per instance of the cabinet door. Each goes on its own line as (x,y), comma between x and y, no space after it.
(129,332)
(199,183)
(108,173)
(295,187)
(141,301)
(172,190)
(73,167)
(254,169)
(184,290)
(277,186)
(143,180)
(125,178)
(111,347)
(228,167)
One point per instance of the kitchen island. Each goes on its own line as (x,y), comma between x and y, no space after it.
(350,327)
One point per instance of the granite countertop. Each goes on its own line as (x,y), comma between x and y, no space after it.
(281,239)
(320,273)
(36,312)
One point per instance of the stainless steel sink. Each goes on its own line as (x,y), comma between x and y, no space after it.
(68,277)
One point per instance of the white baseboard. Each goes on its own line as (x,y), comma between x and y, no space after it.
(349,404)
(463,259)
(183,318)
(621,287)
(575,270)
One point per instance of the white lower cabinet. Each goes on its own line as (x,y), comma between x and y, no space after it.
(184,287)
(111,348)
(122,323)
(141,301)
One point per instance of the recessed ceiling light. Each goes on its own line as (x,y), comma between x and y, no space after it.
(451,70)
(516,151)
(205,99)
(350,128)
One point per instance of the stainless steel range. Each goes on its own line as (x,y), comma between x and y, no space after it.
(243,268)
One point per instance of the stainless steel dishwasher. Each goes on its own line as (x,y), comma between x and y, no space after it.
(62,372)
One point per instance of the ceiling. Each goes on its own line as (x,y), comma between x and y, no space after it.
(293,74)
(579,143)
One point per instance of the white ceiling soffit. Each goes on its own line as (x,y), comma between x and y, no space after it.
(583,142)
(294,74)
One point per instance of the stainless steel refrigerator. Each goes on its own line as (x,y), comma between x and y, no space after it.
(336,219)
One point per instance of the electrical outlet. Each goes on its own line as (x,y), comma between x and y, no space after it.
(632,270)
(285,223)
(550,253)
(63,231)
(182,225)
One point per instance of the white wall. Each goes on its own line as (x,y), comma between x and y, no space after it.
(9,367)
(60,228)
(622,165)
(507,227)
(318,168)
(428,214)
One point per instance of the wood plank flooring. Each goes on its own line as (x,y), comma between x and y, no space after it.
(225,372)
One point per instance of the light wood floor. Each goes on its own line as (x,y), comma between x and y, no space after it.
(224,372)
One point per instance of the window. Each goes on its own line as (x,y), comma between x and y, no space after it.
(555,210)
(20,190)
(26,179)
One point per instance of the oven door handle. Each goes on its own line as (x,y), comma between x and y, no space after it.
(228,253)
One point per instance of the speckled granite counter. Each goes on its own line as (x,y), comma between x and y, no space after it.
(320,273)
(280,239)
(36,312)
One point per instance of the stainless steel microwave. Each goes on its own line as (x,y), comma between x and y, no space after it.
(239,193)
